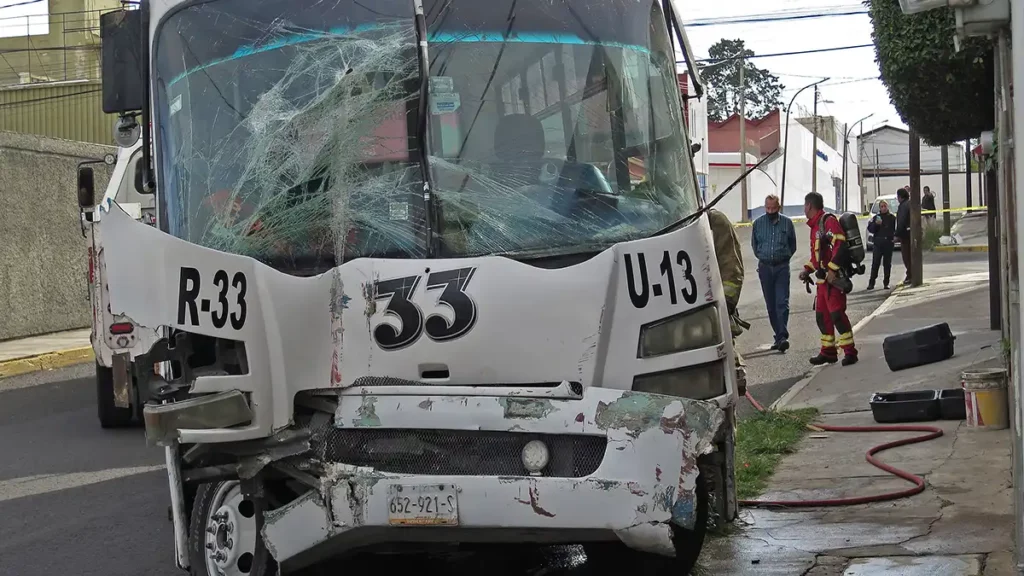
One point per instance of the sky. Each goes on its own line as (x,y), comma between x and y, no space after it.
(23,17)
(854,90)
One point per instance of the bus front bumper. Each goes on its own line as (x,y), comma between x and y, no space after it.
(642,485)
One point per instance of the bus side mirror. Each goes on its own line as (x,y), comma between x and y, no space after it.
(86,187)
(121,62)
(694,148)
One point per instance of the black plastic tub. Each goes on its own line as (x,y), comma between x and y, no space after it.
(892,407)
(951,404)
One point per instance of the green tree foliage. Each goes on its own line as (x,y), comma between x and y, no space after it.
(946,96)
(763,90)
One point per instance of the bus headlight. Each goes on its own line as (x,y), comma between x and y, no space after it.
(690,330)
(702,382)
(208,412)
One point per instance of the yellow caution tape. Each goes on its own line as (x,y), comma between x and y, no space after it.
(869,216)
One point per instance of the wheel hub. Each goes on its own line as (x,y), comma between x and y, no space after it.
(230,532)
(221,538)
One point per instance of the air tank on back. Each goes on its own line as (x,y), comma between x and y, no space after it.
(854,241)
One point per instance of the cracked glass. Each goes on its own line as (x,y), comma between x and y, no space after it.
(289,130)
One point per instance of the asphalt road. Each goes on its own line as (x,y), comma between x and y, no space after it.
(76,499)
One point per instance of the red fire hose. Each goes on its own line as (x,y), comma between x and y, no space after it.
(932,433)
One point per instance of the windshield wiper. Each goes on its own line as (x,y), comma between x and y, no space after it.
(536,253)
(424,65)
(687,219)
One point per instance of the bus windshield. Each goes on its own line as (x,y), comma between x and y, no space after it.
(289,130)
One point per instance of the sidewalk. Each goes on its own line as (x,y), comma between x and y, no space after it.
(962,524)
(45,352)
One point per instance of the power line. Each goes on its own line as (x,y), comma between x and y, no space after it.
(764,18)
(777,54)
(26,3)
(47,98)
(820,75)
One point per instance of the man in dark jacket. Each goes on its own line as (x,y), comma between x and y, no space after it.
(883,227)
(928,202)
(903,229)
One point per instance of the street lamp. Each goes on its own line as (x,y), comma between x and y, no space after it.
(918,6)
(785,143)
(846,148)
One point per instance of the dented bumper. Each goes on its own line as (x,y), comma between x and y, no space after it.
(643,481)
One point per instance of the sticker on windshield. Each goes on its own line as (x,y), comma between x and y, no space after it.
(176,105)
(444,103)
(399,211)
(441,85)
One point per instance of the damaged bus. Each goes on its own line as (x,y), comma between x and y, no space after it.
(425,273)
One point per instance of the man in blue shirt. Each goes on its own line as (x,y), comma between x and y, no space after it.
(774,241)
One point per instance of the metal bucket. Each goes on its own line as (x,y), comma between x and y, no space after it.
(985,398)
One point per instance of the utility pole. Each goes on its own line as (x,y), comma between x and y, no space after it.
(860,169)
(878,185)
(846,151)
(814,149)
(995,312)
(744,207)
(967,155)
(945,190)
(916,252)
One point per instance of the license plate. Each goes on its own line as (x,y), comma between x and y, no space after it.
(425,505)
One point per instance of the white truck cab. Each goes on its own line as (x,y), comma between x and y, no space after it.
(425,274)
(118,402)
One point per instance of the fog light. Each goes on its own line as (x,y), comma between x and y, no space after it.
(535,457)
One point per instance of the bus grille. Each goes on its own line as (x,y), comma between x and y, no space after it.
(458,452)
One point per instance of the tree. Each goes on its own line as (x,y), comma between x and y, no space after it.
(763,89)
(944,94)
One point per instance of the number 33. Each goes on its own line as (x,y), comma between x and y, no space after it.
(398,293)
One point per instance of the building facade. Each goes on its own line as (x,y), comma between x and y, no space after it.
(767,136)
(885,157)
(50,81)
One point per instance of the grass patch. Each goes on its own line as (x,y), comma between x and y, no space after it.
(762,441)
(930,236)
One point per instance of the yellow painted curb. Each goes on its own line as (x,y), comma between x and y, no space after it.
(48,361)
(960,248)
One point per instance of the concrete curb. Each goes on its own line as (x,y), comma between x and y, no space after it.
(47,361)
(960,249)
(797,388)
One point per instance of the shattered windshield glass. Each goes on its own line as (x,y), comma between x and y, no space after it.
(288,130)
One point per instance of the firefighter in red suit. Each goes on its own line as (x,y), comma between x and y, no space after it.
(828,255)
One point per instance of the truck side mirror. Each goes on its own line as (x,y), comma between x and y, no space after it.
(139,168)
(86,187)
(694,148)
(121,62)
